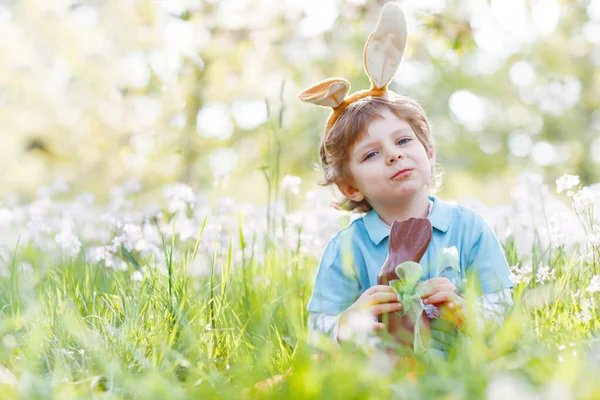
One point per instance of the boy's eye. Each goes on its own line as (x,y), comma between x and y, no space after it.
(369,155)
(403,141)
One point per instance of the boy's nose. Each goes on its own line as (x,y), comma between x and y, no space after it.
(392,158)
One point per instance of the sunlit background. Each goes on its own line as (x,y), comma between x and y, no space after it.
(160,227)
(97,93)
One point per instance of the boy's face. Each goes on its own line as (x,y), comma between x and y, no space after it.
(388,164)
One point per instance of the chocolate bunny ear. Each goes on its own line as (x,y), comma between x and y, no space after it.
(328,93)
(385,47)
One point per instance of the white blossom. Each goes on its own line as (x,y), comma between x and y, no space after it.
(179,197)
(137,238)
(360,325)
(101,254)
(507,386)
(566,182)
(594,239)
(544,274)
(586,305)
(585,315)
(6,216)
(521,275)
(69,242)
(291,183)
(7,377)
(137,276)
(586,198)
(594,284)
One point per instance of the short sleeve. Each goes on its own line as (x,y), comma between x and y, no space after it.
(336,284)
(487,259)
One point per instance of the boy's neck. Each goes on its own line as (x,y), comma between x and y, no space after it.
(417,207)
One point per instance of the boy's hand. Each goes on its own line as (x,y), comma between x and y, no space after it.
(375,301)
(443,294)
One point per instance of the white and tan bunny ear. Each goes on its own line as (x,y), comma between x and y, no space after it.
(328,93)
(385,47)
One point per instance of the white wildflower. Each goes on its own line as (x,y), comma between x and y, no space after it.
(220,178)
(179,196)
(586,305)
(43,192)
(225,205)
(39,208)
(514,278)
(59,186)
(132,186)
(586,256)
(7,377)
(556,390)
(586,198)
(515,274)
(9,341)
(584,315)
(69,242)
(359,324)
(116,244)
(118,193)
(137,238)
(508,386)
(544,274)
(186,229)
(291,183)
(99,254)
(6,216)
(594,239)
(137,276)
(521,275)
(381,363)
(131,235)
(594,284)
(566,182)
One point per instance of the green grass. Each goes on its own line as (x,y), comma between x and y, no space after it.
(72,329)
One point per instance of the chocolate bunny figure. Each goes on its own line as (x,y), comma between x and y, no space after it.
(408,241)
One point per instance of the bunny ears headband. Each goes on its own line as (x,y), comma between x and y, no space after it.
(382,56)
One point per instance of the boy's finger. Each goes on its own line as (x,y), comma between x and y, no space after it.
(383,297)
(440,297)
(444,287)
(379,289)
(379,326)
(386,308)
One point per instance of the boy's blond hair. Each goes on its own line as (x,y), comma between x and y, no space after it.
(352,124)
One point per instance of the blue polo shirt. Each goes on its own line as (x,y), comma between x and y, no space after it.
(354,256)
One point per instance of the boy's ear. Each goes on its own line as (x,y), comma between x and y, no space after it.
(350,191)
(431,155)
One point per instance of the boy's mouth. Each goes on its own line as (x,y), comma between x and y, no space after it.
(402,173)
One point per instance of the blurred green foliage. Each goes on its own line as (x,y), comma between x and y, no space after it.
(100,92)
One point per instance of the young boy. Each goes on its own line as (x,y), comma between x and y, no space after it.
(377,149)
(387,172)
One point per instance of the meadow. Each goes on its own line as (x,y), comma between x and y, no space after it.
(160,217)
(184,299)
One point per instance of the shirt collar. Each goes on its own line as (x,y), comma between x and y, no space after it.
(440,216)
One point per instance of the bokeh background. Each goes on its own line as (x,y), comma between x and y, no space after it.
(96,93)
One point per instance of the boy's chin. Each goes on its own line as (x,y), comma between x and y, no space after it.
(405,196)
